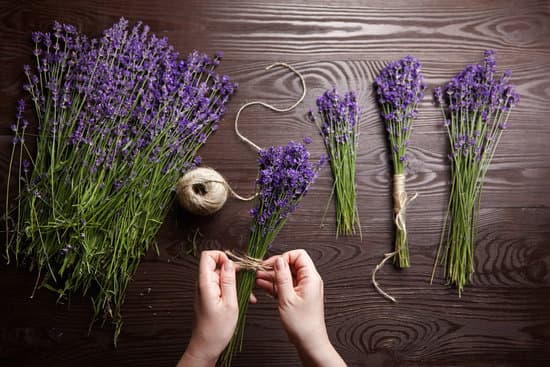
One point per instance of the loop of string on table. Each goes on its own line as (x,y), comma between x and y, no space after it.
(268,106)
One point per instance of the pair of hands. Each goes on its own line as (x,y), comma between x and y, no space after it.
(295,283)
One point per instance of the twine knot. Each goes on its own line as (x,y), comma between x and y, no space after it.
(401,201)
(247,262)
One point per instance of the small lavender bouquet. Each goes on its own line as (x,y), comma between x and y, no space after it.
(119,119)
(285,175)
(340,131)
(476,105)
(400,88)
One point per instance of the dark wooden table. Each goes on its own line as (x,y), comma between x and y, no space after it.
(502,319)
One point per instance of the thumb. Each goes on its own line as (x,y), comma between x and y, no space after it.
(283,280)
(228,283)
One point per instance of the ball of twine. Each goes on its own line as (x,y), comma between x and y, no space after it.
(203,191)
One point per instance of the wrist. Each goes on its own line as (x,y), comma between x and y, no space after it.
(199,355)
(308,341)
(319,352)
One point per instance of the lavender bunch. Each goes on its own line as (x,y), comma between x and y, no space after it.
(340,131)
(285,175)
(119,118)
(400,88)
(476,105)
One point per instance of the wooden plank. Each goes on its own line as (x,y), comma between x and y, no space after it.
(502,318)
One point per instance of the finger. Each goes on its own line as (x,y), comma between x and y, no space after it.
(267,275)
(266,286)
(228,283)
(208,282)
(270,261)
(283,281)
(301,265)
(299,259)
(252,299)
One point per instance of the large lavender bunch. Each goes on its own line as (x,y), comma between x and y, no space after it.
(120,118)
(340,131)
(285,175)
(400,88)
(476,105)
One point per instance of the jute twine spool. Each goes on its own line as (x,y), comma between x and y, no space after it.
(203,191)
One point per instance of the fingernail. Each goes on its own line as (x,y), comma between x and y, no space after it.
(228,267)
(279,264)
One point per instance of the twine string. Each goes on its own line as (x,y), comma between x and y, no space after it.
(247,262)
(373,276)
(268,106)
(225,184)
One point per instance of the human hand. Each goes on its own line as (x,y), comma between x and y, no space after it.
(216,310)
(297,285)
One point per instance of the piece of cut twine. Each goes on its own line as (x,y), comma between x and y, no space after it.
(373,276)
(246,262)
(401,201)
(268,106)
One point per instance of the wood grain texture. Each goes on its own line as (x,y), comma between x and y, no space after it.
(502,318)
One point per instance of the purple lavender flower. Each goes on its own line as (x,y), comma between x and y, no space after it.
(26,166)
(480,101)
(130,79)
(400,88)
(285,174)
(339,116)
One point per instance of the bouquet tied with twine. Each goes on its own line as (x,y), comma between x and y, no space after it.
(399,88)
